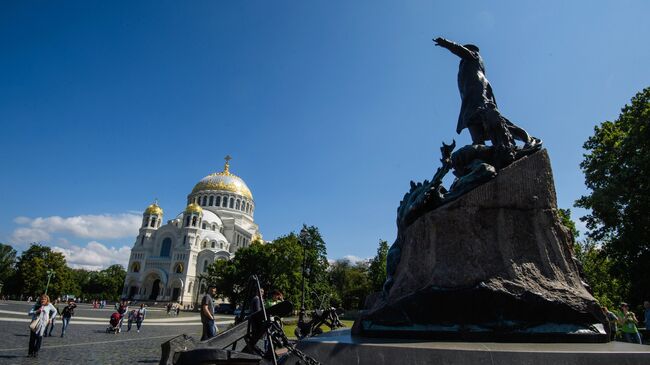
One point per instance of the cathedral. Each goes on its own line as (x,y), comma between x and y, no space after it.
(167,260)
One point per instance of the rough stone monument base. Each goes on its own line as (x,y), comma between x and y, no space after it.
(493,265)
(338,347)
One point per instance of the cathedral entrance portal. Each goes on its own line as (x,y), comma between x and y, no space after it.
(132,292)
(155,290)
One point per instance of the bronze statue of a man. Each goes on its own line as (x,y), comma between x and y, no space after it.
(478,111)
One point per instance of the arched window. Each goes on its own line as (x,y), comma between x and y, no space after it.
(135,267)
(166,247)
(205,200)
(204,244)
(179,268)
(187,221)
(224,203)
(232,202)
(205,266)
(194,221)
(153,222)
(237,204)
(247,207)
(218,202)
(189,287)
(211,200)
(213,244)
(205,226)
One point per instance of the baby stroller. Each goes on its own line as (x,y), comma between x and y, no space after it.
(115,323)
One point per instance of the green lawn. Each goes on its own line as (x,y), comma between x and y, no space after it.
(290,328)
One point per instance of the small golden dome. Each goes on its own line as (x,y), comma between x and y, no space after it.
(194,208)
(154,209)
(257,237)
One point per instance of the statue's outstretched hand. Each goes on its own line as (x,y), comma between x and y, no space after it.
(440,42)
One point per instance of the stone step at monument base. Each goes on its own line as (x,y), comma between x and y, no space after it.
(340,348)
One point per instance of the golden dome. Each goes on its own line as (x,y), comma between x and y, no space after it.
(257,237)
(225,181)
(154,209)
(194,208)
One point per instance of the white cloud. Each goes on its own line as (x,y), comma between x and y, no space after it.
(95,256)
(352,258)
(22,220)
(103,226)
(24,235)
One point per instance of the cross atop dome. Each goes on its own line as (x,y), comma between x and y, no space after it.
(226,167)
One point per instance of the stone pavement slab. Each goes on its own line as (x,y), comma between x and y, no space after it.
(86,341)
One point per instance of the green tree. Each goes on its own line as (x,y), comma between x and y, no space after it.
(617,172)
(377,268)
(104,284)
(31,272)
(597,270)
(81,277)
(596,266)
(351,284)
(278,265)
(565,218)
(7,265)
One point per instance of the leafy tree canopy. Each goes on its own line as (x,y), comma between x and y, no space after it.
(617,171)
(278,266)
(7,263)
(31,272)
(377,269)
(351,283)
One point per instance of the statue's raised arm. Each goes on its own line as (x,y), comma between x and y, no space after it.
(457,49)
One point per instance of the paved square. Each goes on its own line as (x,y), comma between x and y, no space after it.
(86,340)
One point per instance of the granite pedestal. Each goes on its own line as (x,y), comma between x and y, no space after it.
(339,348)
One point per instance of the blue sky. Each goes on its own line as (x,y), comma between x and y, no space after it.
(329,108)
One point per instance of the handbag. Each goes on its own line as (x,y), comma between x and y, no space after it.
(34,325)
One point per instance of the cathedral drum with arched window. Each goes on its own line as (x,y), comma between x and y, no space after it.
(167,259)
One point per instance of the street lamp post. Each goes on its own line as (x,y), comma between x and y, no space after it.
(50,273)
(304,240)
(198,290)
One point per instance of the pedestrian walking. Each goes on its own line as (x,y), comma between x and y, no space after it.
(122,308)
(40,319)
(140,316)
(130,320)
(53,314)
(627,320)
(178,309)
(207,314)
(612,320)
(67,313)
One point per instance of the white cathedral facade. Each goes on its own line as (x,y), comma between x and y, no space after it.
(166,260)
